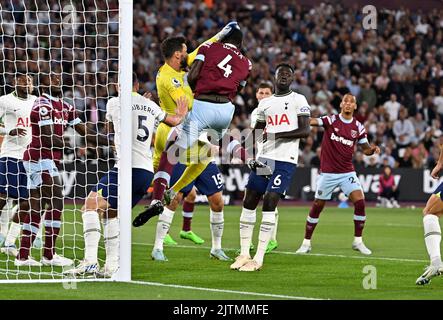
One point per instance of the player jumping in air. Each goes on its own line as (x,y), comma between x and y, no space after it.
(171,85)
(342,133)
(103,199)
(49,117)
(15,109)
(431,216)
(285,117)
(217,74)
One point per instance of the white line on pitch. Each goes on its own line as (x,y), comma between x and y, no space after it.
(293,253)
(222,290)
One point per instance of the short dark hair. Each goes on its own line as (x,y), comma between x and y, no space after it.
(235,37)
(171,45)
(266,84)
(134,78)
(284,65)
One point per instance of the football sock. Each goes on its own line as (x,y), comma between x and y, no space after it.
(91,231)
(312,220)
(188,212)
(162,177)
(111,232)
(30,229)
(163,225)
(247,223)
(235,149)
(13,233)
(274,233)
(52,228)
(359,217)
(432,238)
(6,215)
(266,229)
(217,225)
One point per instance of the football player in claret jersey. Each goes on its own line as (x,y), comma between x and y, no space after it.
(172,84)
(15,109)
(103,198)
(342,134)
(218,72)
(50,116)
(285,118)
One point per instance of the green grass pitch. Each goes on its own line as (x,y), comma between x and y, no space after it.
(332,271)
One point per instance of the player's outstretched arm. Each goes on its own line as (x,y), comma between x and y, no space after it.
(302,131)
(219,36)
(194,73)
(369,149)
(180,113)
(436,171)
(90,134)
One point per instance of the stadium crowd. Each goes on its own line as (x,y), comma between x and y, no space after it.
(395,71)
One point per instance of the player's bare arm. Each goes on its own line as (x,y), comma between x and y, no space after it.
(370,149)
(436,171)
(18,132)
(49,139)
(194,73)
(90,134)
(181,110)
(302,131)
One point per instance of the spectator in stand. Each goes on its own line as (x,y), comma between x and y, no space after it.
(388,191)
(403,129)
(392,107)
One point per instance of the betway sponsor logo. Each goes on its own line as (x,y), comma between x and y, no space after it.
(342,140)
(60,121)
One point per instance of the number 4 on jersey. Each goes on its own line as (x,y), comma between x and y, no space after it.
(225,66)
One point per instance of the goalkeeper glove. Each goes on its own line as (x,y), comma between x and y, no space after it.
(226,30)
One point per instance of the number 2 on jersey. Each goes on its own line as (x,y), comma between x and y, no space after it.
(225,66)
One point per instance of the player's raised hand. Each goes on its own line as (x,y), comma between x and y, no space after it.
(227,29)
(18,132)
(436,171)
(182,106)
(147,95)
(375,149)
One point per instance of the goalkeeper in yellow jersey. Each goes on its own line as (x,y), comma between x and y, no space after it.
(171,85)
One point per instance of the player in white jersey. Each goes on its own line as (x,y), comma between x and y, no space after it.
(15,109)
(103,199)
(285,118)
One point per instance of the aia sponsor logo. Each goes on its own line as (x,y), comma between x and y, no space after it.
(278,119)
(23,122)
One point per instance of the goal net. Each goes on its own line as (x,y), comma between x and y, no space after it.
(79,41)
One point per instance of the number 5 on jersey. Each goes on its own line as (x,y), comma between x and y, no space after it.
(225,66)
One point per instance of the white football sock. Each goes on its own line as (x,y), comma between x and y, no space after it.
(163,225)
(247,223)
(217,225)
(432,238)
(274,233)
(40,229)
(7,213)
(111,233)
(358,240)
(266,229)
(91,231)
(13,233)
